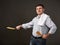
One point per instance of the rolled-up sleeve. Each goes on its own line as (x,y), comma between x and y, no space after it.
(51,25)
(28,25)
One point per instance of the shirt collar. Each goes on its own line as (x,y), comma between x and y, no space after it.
(38,16)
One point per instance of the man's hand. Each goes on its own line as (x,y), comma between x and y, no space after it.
(45,36)
(18,27)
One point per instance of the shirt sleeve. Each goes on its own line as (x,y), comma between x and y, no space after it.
(28,25)
(51,25)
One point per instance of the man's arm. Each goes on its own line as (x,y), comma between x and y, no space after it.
(25,26)
(52,27)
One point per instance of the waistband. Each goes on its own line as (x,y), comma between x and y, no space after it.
(36,37)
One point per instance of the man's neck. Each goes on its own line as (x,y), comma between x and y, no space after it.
(40,14)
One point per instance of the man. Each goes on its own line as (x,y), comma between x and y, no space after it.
(42,25)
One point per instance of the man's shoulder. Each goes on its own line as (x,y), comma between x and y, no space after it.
(46,15)
(34,18)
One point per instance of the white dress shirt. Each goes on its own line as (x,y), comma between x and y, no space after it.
(48,27)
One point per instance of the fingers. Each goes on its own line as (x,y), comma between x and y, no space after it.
(45,36)
(18,27)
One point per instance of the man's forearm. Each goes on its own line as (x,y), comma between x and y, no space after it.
(52,29)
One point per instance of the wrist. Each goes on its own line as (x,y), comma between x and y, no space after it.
(20,26)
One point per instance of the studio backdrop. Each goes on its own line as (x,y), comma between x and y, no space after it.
(15,12)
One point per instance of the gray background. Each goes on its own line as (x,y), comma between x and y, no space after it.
(15,12)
